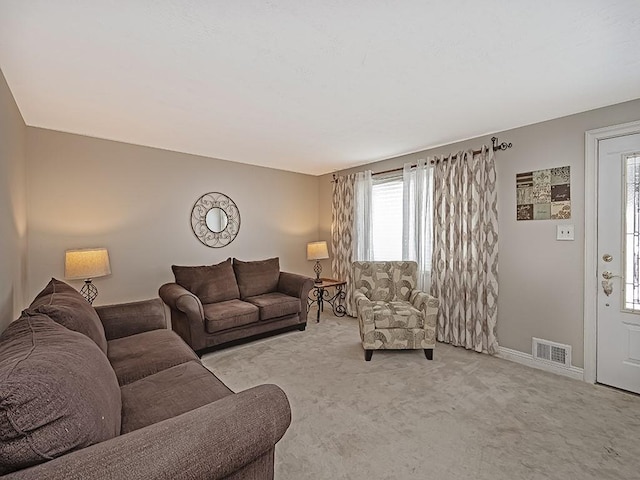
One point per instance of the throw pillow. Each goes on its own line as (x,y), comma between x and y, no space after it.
(210,283)
(66,306)
(59,393)
(258,277)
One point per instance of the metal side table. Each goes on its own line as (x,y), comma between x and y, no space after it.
(320,294)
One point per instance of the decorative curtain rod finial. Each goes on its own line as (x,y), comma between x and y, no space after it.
(502,146)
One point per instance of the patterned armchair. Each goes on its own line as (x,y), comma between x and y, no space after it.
(391,312)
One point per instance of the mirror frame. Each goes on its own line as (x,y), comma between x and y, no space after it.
(199,220)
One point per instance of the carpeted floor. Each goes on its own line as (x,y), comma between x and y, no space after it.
(462,415)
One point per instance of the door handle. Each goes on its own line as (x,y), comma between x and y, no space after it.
(608,275)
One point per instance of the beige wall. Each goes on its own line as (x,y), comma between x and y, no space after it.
(13,222)
(136,201)
(540,279)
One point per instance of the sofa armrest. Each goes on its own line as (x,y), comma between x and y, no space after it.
(294,285)
(210,442)
(124,319)
(297,286)
(187,314)
(182,300)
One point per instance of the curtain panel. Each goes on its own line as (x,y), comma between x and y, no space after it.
(465,250)
(342,222)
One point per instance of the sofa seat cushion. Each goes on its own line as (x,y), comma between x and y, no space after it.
(274,305)
(210,283)
(66,306)
(58,393)
(397,314)
(138,356)
(169,393)
(257,277)
(230,314)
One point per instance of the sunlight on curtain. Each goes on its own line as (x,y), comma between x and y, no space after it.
(363,218)
(417,224)
(387,219)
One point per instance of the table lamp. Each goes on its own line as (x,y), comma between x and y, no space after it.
(87,263)
(317,251)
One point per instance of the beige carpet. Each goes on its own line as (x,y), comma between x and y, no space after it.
(463,415)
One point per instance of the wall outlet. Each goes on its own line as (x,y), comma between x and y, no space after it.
(564,232)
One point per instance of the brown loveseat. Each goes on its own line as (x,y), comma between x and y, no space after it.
(217,305)
(110,393)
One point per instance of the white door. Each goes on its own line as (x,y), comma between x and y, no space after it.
(618,313)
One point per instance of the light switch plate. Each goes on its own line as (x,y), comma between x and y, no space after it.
(564,232)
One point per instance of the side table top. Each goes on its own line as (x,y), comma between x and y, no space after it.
(329,282)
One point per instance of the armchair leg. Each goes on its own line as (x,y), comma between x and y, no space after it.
(367,355)
(428,352)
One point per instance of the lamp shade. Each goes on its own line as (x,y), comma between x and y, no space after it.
(317,251)
(86,263)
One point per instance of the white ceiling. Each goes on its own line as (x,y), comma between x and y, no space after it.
(313,86)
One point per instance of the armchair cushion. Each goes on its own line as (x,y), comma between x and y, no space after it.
(58,393)
(275,304)
(397,315)
(258,277)
(229,314)
(210,283)
(66,306)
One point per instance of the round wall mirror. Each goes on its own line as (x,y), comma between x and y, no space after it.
(215,220)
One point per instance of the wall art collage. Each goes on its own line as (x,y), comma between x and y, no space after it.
(544,194)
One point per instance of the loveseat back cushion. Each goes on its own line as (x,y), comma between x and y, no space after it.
(58,393)
(275,304)
(257,277)
(66,306)
(210,283)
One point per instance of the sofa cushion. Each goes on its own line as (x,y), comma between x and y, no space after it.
(256,278)
(212,283)
(66,306)
(230,314)
(274,305)
(169,393)
(138,356)
(58,393)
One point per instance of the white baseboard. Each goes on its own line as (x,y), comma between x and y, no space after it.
(527,359)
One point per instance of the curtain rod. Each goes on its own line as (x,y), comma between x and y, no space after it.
(494,145)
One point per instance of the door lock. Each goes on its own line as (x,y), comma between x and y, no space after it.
(607,257)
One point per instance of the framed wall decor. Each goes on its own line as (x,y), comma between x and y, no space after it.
(544,194)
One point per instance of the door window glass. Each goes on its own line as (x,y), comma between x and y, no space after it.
(632,233)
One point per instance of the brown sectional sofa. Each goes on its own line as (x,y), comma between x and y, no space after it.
(218,305)
(112,393)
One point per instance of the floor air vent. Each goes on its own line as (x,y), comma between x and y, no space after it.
(551,352)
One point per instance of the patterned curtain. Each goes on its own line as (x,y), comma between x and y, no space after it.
(342,233)
(465,250)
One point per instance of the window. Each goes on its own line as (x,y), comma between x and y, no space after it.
(386,206)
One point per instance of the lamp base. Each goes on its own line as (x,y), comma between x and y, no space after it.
(89,291)
(318,269)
